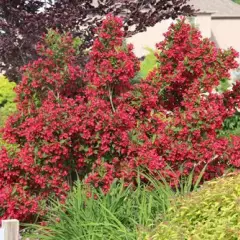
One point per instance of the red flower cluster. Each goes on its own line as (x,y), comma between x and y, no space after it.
(97,123)
(49,107)
(182,88)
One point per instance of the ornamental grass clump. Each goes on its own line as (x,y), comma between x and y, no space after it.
(124,213)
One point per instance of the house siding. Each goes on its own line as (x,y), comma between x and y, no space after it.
(226,32)
(203,22)
(154,34)
(149,38)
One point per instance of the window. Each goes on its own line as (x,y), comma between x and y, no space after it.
(192,20)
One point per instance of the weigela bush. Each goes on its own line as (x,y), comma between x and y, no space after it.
(95,122)
(231,125)
(181,89)
(43,129)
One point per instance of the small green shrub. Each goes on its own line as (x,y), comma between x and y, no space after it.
(7,105)
(231,125)
(211,213)
(224,85)
(7,96)
(149,62)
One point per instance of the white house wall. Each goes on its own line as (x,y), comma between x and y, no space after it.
(203,22)
(154,34)
(149,38)
(226,32)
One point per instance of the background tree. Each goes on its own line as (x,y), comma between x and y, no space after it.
(236,1)
(23,22)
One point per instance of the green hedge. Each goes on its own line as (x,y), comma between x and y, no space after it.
(149,62)
(209,214)
(7,96)
(7,107)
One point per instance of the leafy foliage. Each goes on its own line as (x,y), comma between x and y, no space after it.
(148,64)
(122,213)
(97,124)
(231,125)
(224,85)
(7,106)
(22,23)
(187,112)
(211,213)
(7,96)
(236,1)
(39,168)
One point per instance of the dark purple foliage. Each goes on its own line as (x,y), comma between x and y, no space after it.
(22,24)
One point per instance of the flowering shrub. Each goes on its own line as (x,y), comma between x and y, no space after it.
(181,89)
(231,125)
(97,123)
(47,112)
